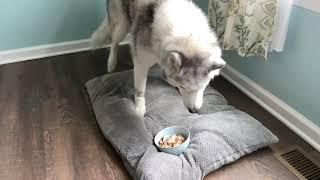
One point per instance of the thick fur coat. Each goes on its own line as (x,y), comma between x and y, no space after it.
(172,33)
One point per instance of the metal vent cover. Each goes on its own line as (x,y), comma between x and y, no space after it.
(300,163)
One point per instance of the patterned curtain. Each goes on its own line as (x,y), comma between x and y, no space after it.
(244,25)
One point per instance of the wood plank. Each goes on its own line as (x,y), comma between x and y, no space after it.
(259,165)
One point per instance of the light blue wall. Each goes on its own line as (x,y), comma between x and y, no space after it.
(294,74)
(203,4)
(25,23)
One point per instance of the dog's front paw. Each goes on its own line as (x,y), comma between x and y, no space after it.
(140,104)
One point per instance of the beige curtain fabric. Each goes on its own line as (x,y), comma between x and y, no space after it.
(244,25)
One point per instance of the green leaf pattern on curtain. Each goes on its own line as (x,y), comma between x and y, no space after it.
(243,25)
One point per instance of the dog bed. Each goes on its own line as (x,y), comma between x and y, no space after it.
(220,134)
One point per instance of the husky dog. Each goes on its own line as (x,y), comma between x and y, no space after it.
(172,33)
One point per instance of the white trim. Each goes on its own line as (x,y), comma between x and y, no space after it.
(36,52)
(286,114)
(313,5)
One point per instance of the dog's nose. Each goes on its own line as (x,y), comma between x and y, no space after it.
(193,110)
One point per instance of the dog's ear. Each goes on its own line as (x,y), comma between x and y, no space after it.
(215,67)
(174,61)
(216,63)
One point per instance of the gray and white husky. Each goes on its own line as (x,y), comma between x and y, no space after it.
(172,33)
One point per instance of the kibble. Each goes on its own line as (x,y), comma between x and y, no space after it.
(171,141)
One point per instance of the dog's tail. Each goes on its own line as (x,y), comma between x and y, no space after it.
(102,36)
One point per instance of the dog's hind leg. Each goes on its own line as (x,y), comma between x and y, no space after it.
(112,31)
(120,28)
(118,34)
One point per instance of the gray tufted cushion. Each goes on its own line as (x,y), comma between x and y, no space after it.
(220,134)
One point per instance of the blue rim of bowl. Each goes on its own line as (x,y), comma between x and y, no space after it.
(168,128)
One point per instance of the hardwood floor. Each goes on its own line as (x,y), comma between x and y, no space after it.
(49,132)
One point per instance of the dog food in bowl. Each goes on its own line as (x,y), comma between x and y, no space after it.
(165,140)
(171,141)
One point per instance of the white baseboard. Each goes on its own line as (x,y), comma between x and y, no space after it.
(25,54)
(290,117)
(37,52)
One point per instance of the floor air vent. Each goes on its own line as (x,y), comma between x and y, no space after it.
(300,163)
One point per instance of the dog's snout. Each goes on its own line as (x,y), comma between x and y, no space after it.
(193,110)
